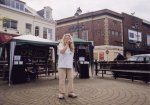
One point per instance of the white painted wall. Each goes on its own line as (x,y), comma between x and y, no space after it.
(24,18)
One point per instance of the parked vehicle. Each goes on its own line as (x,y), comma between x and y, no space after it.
(140,58)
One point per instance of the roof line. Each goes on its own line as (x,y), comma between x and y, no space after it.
(91,14)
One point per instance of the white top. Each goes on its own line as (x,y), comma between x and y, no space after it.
(65,60)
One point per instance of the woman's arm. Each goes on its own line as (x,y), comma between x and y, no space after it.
(63,49)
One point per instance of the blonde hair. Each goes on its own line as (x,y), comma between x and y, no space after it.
(63,41)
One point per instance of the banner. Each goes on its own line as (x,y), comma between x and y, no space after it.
(101,55)
(148,40)
(5,37)
(134,35)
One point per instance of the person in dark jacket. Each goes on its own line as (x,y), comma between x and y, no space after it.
(119,57)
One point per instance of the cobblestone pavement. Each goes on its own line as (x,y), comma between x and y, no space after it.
(96,91)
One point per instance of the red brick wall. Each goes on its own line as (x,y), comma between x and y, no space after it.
(128,23)
(145,32)
(95,31)
(116,38)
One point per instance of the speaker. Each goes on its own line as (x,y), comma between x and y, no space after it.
(18,74)
(84,71)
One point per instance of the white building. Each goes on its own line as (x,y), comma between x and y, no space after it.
(24,20)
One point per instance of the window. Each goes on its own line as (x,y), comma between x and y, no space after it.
(109,32)
(113,32)
(131,35)
(57,38)
(37,31)
(45,33)
(132,58)
(21,7)
(7,2)
(114,22)
(12,3)
(116,33)
(6,23)
(148,59)
(144,58)
(47,14)
(140,58)
(2,2)
(28,28)
(50,33)
(85,35)
(17,5)
(13,24)
(97,32)
(75,34)
(10,24)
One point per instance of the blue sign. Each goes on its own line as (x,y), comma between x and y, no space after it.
(76,27)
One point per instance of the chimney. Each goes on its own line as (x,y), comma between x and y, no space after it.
(48,13)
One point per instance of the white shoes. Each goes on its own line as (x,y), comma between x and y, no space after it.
(61,96)
(72,95)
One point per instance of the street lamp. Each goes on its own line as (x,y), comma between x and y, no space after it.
(136,26)
(137,29)
(107,52)
(78,12)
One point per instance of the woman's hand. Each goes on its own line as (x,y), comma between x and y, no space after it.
(69,42)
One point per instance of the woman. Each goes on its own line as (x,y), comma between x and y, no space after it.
(65,66)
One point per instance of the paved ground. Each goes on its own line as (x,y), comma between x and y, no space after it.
(96,91)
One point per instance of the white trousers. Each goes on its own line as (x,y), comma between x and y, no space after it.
(65,73)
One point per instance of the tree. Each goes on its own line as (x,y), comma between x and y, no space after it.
(3,18)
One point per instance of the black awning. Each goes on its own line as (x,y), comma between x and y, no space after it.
(137,50)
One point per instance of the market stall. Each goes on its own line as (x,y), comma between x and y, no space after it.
(83,57)
(29,50)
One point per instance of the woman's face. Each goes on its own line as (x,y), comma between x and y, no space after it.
(67,38)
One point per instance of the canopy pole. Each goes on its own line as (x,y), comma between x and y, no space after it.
(12,50)
(55,48)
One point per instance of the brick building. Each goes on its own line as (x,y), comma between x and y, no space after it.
(133,26)
(109,31)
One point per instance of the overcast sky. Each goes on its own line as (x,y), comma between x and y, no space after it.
(67,8)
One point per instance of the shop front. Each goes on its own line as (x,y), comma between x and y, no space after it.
(107,52)
(29,55)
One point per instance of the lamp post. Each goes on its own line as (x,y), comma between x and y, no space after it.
(78,12)
(107,52)
(137,29)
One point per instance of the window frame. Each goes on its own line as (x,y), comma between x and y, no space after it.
(75,34)
(9,24)
(49,32)
(12,3)
(28,32)
(17,4)
(44,32)
(85,36)
(37,30)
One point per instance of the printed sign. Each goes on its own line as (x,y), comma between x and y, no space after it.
(17,57)
(148,40)
(101,55)
(134,35)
